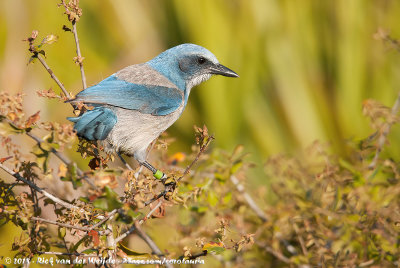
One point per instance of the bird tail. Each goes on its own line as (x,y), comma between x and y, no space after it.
(94,124)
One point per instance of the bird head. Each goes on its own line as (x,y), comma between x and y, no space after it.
(188,65)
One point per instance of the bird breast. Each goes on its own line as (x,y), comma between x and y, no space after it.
(134,131)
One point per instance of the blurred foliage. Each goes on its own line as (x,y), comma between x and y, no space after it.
(306,69)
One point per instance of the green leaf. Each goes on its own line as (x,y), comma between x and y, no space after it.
(212,198)
(130,252)
(216,248)
(227,198)
(236,166)
(61,232)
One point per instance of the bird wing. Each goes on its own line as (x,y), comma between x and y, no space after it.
(147,99)
(94,124)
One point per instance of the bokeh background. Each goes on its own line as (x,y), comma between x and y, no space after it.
(305,66)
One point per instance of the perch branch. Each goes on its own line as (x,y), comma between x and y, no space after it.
(201,151)
(43,62)
(78,53)
(37,188)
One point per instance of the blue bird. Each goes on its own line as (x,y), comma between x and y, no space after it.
(136,104)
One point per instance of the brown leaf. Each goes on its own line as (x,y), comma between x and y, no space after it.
(4,159)
(160,212)
(95,237)
(47,94)
(32,119)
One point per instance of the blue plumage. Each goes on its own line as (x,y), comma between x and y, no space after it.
(136,104)
(94,124)
(147,99)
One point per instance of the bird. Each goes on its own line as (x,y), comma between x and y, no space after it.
(133,106)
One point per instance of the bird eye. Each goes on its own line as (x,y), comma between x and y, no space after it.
(201,60)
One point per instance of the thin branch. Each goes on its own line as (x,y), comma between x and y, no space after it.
(385,133)
(43,62)
(108,217)
(277,254)
(111,242)
(59,253)
(63,158)
(85,229)
(166,190)
(252,204)
(150,243)
(37,188)
(195,256)
(201,151)
(78,53)
(151,212)
(128,232)
(124,162)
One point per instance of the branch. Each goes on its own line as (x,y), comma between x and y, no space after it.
(60,156)
(43,62)
(60,253)
(253,205)
(151,212)
(130,230)
(37,188)
(108,217)
(66,225)
(150,242)
(385,133)
(277,254)
(201,151)
(78,53)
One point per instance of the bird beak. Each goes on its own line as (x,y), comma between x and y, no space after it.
(222,70)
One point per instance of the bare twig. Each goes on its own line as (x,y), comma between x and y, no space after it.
(111,242)
(130,230)
(63,158)
(61,224)
(301,240)
(151,212)
(59,253)
(277,254)
(385,132)
(108,217)
(201,151)
(195,256)
(124,162)
(253,205)
(43,62)
(37,188)
(78,53)
(149,242)
(166,190)
(85,229)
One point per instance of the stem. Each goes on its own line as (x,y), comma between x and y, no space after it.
(37,188)
(78,52)
(253,205)
(43,62)
(60,156)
